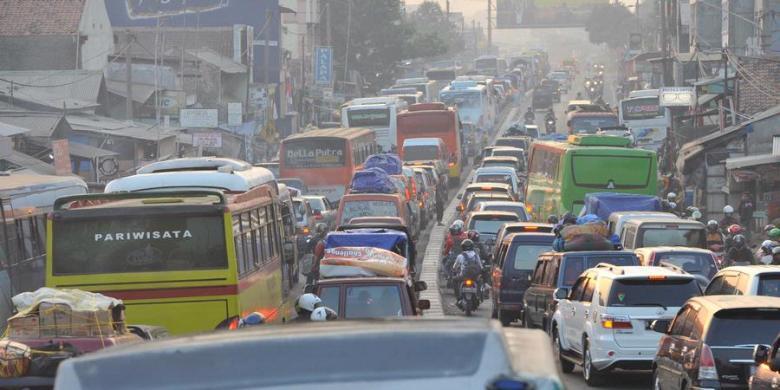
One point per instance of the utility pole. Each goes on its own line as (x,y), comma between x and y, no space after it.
(129,77)
(448,10)
(490,27)
(664,42)
(327,24)
(349,31)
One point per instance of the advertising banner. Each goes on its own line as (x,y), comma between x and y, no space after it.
(544,13)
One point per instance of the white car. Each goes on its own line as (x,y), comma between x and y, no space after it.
(603,322)
(746,280)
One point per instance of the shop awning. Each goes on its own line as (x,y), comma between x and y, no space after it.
(213,58)
(751,161)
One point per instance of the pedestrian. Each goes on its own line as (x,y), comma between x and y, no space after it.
(439,210)
(746,209)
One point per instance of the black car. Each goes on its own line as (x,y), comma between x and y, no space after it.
(710,342)
(561,269)
(517,255)
(767,358)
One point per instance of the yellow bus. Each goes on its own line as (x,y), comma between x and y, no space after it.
(189,244)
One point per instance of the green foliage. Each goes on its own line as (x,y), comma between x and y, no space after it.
(611,24)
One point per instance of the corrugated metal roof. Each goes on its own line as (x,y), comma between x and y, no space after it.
(29,162)
(7,130)
(40,17)
(107,126)
(36,124)
(72,89)
(751,161)
(211,57)
(141,92)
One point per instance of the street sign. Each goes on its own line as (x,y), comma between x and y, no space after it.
(677,97)
(323,65)
(198,117)
(207,140)
(61,151)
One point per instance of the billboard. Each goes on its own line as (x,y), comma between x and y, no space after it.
(203,14)
(544,13)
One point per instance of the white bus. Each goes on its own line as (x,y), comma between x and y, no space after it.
(648,122)
(490,65)
(378,114)
(475,106)
(421,84)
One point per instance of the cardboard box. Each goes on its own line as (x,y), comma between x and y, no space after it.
(91,323)
(55,319)
(25,327)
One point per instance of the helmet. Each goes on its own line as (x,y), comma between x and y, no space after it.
(253,318)
(774,233)
(671,196)
(728,210)
(712,225)
(456,227)
(467,245)
(474,235)
(553,219)
(672,205)
(321,228)
(696,214)
(735,229)
(768,244)
(768,228)
(739,240)
(323,313)
(776,250)
(308,302)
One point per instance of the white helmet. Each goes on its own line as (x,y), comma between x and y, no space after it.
(672,205)
(308,302)
(728,210)
(323,313)
(696,214)
(671,195)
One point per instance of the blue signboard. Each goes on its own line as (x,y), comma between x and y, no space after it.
(323,65)
(207,13)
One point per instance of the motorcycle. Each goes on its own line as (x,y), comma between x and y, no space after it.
(529,121)
(550,126)
(468,299)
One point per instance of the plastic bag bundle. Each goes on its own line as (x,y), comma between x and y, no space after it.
(588,242)
(372,180)
(594,228)
(390,163)
(14,359)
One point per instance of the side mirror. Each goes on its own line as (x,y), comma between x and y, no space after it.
(660,326)
(420,285)
(423,304)
(561,293)
(459,196)
(760,354)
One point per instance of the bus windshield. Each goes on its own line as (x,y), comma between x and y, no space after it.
(368,117)
(138,243)
(314,153)
(613,172)
(421,152)
(590,124)
(641,108)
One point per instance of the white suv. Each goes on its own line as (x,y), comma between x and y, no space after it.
(603,322)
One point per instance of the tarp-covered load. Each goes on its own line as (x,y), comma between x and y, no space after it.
(372,180)
(390,163)
(349,261)
(602,204)
(387,239)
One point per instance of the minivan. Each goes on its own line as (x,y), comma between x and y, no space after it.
(512,270)
(649,232)
(560,270)
(618,218)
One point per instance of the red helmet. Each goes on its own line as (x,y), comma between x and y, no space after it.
(735,229)
(473,235)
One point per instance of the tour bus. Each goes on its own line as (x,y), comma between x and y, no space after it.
(326,159)
(561,173)
(378,113)
(435,120)
(421,84)
(490,65)
(475,106)
(409,95)
(642,114)
(189,244)
(589,122)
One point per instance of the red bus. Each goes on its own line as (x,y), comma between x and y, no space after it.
(434,120)
(325,159)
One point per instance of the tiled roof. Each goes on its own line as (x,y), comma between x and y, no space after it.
(40,17)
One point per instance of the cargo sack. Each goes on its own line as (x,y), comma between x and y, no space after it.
(46,359)
(390,163)
(14,359)
(372,180)
(597,228)
(588,242)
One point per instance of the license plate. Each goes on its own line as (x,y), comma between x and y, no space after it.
(469,290)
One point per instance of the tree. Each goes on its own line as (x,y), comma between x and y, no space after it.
(433,33)
(611,24)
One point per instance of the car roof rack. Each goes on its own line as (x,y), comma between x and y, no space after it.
(615,269)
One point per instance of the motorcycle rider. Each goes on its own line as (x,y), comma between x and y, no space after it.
(454,238)
(317,245)
(731,232)
(549,121)
(473,235)
(739,253)
(774,234)
(776,255)
(715,239)
(764,253)
(305,306)
(530,117)
(728,217)
(467,265)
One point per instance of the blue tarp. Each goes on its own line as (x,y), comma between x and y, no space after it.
(389,163)
(605,203)
(391,240)
(372,180)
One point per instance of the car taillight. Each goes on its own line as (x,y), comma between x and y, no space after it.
(707,369)
(615,322)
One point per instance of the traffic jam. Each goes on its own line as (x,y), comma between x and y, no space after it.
(505,219)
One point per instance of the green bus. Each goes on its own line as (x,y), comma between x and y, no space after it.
(561,173)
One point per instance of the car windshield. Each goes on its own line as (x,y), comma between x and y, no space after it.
(769,284)
(368,208)
(420,152)
(692,263)
(509,164)
(650,237)
(524,255)
(672,292)
(744,327)
(373,302)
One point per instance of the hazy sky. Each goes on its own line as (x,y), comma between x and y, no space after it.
(474,8)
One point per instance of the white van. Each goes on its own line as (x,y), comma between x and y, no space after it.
(618,218)
(650,232)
